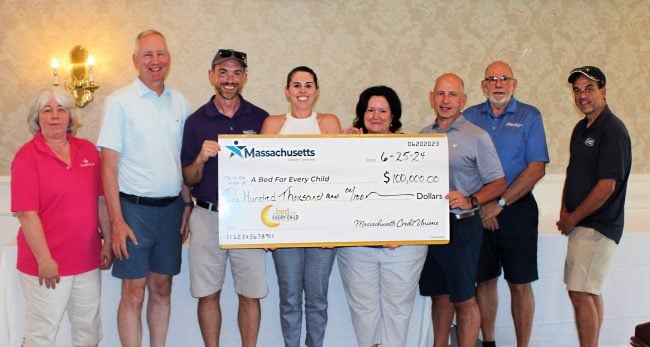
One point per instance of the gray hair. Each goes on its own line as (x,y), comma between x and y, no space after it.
(42,98)
(145,34)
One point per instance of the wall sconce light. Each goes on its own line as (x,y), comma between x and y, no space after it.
(80,83)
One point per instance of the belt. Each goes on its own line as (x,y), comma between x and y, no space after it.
(207,205)
(141,200)
(459,216)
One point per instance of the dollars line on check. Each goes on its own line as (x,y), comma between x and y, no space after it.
(355,196)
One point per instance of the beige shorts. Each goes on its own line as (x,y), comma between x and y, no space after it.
(589,255)
(208,261)
(44,308)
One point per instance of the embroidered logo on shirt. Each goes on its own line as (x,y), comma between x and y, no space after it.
(454,145)
(514,125)
(589,142)
(86,162)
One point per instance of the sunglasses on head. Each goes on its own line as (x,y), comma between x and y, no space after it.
(227,53)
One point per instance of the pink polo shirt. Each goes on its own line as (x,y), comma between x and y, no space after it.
(65,198)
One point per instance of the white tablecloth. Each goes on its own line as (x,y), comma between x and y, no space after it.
(184,329)
(626,295)
(9,296)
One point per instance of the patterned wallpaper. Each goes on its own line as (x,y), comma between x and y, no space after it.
(350,44)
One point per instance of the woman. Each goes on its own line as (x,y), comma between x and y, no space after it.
(303,269)
(380,282)
(57,196)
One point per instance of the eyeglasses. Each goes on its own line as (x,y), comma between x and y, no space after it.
(227,53)
(494,79)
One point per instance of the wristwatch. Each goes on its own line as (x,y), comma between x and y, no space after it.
(502,202)
(474,201)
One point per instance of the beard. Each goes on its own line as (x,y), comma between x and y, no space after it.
(228,95)
(499,103)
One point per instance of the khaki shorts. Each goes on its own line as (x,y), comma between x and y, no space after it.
(208,261)
(589,255)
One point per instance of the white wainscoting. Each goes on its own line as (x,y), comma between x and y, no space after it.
(627,301)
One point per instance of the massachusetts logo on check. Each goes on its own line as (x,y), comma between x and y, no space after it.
(236,150)
(242,151)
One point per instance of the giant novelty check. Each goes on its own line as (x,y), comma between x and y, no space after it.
(341,190)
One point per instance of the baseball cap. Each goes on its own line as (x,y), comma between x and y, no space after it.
(226,54)
(591,72)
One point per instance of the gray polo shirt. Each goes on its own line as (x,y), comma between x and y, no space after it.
(473,160)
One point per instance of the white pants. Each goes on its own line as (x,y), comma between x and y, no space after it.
(44,309)
(380,285)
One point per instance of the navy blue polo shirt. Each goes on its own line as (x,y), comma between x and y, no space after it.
(206,123)
(602,151)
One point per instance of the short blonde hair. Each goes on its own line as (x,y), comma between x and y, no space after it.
(42,98)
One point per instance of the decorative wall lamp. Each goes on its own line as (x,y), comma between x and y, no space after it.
(80,82)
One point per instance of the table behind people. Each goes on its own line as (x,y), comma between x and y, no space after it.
(552,324)
(8,222)
(184,328)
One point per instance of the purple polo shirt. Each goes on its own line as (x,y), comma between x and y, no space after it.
(207,123)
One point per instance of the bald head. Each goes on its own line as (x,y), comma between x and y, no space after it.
(500,66)
(448,97)
(499,85)
(452,78)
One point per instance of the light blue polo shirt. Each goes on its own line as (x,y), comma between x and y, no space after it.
(473,161)
(518,134)
(146,129)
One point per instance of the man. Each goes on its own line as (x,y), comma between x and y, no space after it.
(476,178)
(511,223)
(593,199)
(226,113)
(140,141)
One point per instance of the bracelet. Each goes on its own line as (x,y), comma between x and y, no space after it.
(189,203)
